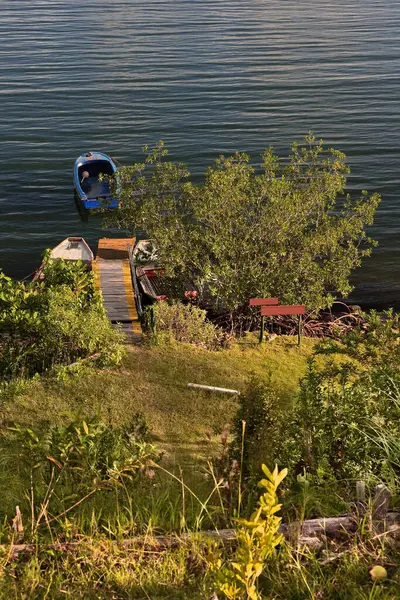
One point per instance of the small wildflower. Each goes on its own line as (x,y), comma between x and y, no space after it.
(150,473)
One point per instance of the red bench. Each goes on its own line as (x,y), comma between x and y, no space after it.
(270,308)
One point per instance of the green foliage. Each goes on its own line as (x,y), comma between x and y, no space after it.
(187,323)
(63,465)
(375,345)
(343,575)
(372,373)
(286,231)
(344,422)
(387,439)
(263,412)
(54,320)
(101,570)
(328,432)
(257,539)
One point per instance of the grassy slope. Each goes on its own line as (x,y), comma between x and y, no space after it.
(153,381)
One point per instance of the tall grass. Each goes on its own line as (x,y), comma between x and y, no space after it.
(387,439)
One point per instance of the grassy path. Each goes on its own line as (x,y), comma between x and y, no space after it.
(153,380)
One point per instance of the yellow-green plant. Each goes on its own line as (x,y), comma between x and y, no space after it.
(257,539)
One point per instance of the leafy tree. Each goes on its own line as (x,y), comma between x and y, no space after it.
(286,230)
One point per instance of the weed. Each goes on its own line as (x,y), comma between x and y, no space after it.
(188,323)
(257,539)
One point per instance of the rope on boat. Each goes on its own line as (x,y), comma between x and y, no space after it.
(29,276)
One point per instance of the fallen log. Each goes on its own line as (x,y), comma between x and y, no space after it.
(311,534)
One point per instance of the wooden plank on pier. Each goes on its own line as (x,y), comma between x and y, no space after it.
(114,279)
(117,249)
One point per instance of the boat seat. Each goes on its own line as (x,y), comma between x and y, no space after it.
(94,188)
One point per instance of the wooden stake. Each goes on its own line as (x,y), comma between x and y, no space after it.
(299,330)
(260,341)
(360,494)
(17,525)
(381,503)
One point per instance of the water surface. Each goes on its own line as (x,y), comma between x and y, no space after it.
(207,78)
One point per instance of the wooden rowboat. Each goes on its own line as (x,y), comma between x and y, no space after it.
(150,276)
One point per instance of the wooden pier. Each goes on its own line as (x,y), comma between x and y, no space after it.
(114,279)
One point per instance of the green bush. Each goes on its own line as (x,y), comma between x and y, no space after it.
(262,413)
(187,323)
(332,424)
(55,320)
(345,414)
(287,229)
(344,424)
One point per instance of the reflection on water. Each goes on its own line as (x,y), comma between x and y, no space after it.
(207,78)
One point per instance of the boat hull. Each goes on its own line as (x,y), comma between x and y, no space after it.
(150,276)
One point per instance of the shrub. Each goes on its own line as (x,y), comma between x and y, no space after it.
(56,320)
(345,414)
(261,411)
(344,422)
(287,229)
(187,323)
(374,345)
(330,431)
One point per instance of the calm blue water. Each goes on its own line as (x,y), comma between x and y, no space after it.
(206,77)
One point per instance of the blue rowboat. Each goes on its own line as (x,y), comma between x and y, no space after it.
(90,191)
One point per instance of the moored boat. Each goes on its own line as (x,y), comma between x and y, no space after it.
(73,248)
(90,190)
(151,279)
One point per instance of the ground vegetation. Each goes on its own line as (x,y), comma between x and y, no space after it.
(56,319)
(100,457)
